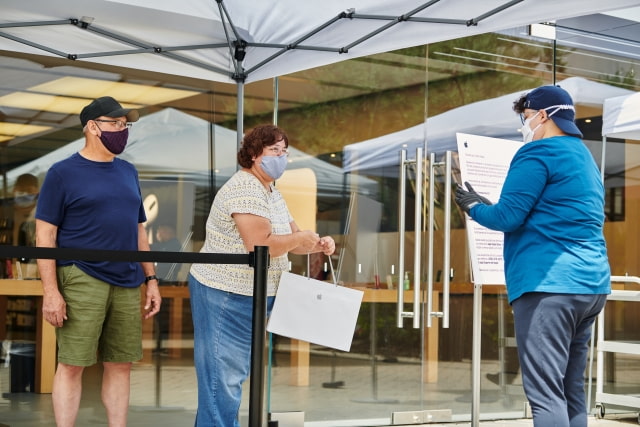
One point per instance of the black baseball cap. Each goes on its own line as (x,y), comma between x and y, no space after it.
(108,107)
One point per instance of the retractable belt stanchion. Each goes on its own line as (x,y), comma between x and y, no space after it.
(256,387)
(259,260)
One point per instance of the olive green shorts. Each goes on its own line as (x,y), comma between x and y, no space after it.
(104,322)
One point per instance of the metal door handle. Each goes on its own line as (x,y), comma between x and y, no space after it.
(431,228)
(446,267)
(402,199)
(404,163)
(417,245)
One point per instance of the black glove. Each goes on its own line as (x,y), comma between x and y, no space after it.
(468,199)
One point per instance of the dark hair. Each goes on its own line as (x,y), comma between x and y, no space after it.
(27,180)
(518,104)
(256,139)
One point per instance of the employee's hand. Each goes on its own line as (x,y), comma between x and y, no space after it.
(468,199)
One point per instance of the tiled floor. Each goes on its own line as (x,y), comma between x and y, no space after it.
(171,401)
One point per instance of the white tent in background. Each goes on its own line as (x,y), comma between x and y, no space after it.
(621,117)
(168,143)
(171,144)
(493,117)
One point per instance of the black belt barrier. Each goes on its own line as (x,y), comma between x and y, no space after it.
(259,260)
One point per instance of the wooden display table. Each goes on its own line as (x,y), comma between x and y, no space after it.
(173,297)
(45,332)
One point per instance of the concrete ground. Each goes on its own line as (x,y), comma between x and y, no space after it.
(165,395)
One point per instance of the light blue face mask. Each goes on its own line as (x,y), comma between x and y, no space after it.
(23,200)
(274,166)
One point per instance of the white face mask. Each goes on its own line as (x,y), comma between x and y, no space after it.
(527,132)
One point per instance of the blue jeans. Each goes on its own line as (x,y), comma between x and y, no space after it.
(222,323)
(552,333)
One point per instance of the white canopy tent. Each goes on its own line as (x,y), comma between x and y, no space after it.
(243,40)
(621,117)
(162,143)
(493,117)
(171,144)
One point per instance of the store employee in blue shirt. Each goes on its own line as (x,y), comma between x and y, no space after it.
(551,210)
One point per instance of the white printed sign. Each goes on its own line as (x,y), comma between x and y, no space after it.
(484,163)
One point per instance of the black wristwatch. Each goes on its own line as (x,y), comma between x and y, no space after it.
(149,278)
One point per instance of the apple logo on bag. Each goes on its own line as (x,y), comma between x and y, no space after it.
(319,297)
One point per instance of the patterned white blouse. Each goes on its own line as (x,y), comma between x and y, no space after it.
(243,193)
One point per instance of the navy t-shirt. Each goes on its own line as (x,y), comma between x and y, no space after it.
(95,205)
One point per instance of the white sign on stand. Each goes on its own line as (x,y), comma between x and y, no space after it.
(484,163)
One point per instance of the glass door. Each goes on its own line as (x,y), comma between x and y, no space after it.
(411,360)
(387,201)
(383,378)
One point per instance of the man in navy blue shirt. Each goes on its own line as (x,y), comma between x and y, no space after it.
(92,200)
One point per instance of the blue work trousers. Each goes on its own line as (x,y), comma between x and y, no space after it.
(552,334)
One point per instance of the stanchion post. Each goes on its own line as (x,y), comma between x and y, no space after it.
(256,386)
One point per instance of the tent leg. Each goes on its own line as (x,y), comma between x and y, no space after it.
(604,156)
(276,93)
(240,114)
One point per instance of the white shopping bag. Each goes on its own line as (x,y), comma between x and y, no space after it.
(318,312)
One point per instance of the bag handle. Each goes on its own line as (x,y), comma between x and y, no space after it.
(333,276)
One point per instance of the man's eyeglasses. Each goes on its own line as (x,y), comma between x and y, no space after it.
(277,151)
(120,124)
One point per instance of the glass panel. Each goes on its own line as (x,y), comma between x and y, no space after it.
(347,124)
(181,158)
(620,319)
(459,73)
(610,61)
(359,100)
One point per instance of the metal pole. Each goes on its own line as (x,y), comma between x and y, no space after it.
(276,93)
(476,354)
(239,114)
(256,387)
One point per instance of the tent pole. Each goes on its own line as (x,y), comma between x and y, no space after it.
(604,157)
(240,114)
(276,89)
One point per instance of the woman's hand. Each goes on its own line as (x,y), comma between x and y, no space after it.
(309,241)
(327,245)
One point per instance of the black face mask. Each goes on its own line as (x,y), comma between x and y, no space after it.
(115,141)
